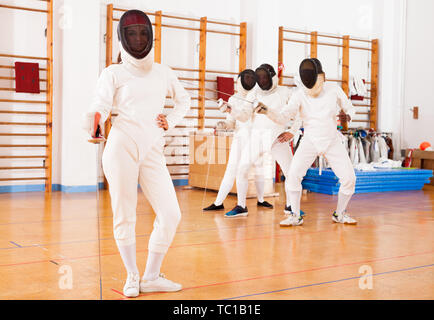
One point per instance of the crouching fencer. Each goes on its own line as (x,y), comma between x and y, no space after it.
(136,90)
(266,136)
(246,82)
(318,103)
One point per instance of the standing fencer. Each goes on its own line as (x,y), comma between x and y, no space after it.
(318,104)
(136,90)
(246,82)
(265,136)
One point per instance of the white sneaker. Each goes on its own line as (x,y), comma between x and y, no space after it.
(344,218)
(161,284)
(131,287)
(292,220)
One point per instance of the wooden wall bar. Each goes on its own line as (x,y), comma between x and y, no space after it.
(46,165)
(373,117)
(346,46)
(345,71)
(314,44)
(202,67)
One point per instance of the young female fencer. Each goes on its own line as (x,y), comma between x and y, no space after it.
(136,90)
(265,135)
(318,104)
(246,82)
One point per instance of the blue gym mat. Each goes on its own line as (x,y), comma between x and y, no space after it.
(381,180)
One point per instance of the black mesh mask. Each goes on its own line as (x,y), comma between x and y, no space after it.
(248,79)
(309,70)
(264,76)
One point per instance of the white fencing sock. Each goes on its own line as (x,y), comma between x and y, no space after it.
(287,192)
(242,186)
(295,197)
(225,188)
(259,183)
(153,265)
(128,255)
(343,200)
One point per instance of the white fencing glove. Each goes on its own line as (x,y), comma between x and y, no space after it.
(260,108)
(221,125)
(223,106)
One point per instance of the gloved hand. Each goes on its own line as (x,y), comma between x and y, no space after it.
(260,108)
(343,117)
(221,125)
(285,137)
(91,124)
(224,106)
(162,121)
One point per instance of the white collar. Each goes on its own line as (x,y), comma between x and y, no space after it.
(138,67)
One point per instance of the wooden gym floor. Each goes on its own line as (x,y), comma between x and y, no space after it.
(45,239)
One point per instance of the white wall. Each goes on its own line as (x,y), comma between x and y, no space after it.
(77,70)
(419,71)
(262,19)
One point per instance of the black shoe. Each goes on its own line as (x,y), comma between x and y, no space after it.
(288,210)
(265,204)
(238,211)
(214,207)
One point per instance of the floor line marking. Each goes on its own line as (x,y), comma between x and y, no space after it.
(327,282)
(295,272)
(178,232)
(197,244)
(15,244)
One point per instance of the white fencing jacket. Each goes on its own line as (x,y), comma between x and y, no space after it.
(319,114)
(136,90)
(275,98)
(239,118)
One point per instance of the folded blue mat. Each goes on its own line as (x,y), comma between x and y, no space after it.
(380,180)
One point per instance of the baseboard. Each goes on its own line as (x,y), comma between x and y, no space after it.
(75,189)
(180,182)
(22,188)
(67,189)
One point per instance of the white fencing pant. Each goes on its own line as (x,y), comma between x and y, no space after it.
(336,156)
(231,172)
(124,169)
(252,153)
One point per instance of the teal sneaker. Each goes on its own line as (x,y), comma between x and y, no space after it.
(238,211)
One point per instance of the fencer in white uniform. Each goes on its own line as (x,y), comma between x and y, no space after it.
(246,82)
(136,90)
(318,104)
(264,135)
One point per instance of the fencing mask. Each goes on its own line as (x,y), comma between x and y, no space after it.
(135,33)
(248,79)
(309,71)
(264,76)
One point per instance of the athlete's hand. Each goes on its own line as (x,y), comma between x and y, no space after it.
(91,123)
(261,108)
(221,125)
(343,117)
(285,137)
(96,130)
(224,106)
(162,122)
